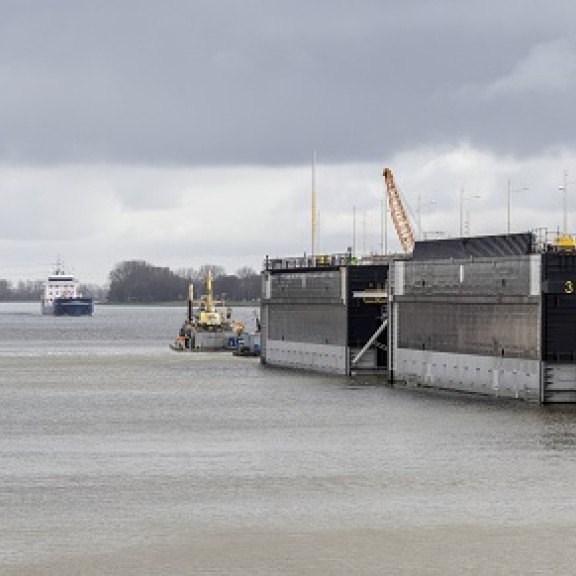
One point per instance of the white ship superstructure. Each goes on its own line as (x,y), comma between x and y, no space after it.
(61,296)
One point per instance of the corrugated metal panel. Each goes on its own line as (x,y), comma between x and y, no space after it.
(310,286)
(327,359)
(508,276)
(490,375)
(482,306)
(319,323)
(477,247)
(503,330)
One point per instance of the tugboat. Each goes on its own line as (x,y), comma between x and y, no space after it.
(61,296)
(209,326)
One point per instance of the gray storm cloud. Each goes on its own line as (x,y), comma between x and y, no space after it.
(264,82)
(182,132)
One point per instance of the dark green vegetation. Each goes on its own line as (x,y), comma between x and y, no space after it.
(140,282)
(24,291)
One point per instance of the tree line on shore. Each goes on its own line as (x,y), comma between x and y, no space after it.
(139,281)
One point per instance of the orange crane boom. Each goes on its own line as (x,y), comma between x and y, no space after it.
(399,216)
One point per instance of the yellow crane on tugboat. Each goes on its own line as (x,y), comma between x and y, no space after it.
(210,326)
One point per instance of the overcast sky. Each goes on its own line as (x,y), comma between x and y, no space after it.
(182,132)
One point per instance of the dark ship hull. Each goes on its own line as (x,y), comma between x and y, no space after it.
(73,307)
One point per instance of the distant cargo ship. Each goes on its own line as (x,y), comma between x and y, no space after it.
(61,296)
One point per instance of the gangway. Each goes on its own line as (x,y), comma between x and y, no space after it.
(368,344)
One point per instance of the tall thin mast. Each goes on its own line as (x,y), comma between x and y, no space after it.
(313,210)
(354,231)
(209,295)
(564,204)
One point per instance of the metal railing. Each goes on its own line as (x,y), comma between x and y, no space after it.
(327,261)
(301,262)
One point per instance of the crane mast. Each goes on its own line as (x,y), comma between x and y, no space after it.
(399,216)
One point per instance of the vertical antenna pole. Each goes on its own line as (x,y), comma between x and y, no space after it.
(565,204)
(354,231)
(313,210)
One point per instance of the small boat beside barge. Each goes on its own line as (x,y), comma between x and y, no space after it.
(248,344)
